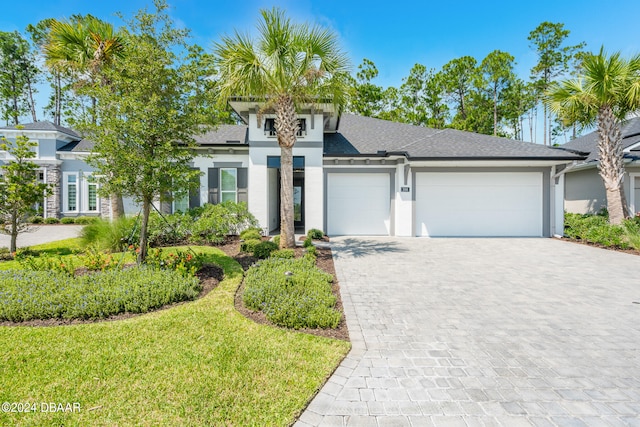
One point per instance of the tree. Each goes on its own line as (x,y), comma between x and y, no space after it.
(458,77)
(289,65)
(553,59)
(85,47)
(19,188)
(18,77)
(366,98)
(607,89)
(497,74)
(148,114)
(518,100)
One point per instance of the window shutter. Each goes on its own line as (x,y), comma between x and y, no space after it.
(243,184)
(214,185)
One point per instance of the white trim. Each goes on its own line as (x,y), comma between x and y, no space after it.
(65,192)
(84,194)
(632,147)
(632,193)
(221,191)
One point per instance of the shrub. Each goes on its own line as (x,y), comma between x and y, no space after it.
(595,229)
(5,255)
(632,232)
(185,263)
(251,233)
(315,234)
(312,251)
(168,229)
(276,240)
(307,242)
(84,220)
(249,245)
(48,263)
(36,219)
(28,295)
(302,299)
(263,249)
(114,236)
(213,223)
(68,220)
(96,260)
(283,253)
(51,220)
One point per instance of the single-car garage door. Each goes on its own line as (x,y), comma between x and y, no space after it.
(358,204)
(479,204)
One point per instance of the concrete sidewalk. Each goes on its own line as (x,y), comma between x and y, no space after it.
(494,332)
(43,234)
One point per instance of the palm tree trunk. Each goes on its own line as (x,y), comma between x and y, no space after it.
(611,164)
(286,125)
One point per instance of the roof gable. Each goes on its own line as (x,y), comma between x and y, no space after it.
(43,126)
(588,143)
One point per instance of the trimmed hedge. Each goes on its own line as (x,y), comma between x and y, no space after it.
(28,295)
(292,292)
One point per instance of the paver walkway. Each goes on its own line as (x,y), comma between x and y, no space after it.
(466,332)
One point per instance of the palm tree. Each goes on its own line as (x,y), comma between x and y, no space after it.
(607,89)
(84,46)
(289,65)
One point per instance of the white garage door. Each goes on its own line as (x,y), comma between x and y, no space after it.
(358,204)
(479,204)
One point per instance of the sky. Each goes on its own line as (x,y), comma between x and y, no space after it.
(395,35)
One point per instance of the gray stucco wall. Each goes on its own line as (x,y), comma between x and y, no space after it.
(584,192)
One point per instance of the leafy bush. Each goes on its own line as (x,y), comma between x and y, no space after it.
(96,260)
(301,299)
(84,220)
(251,233)
(51,220)
(27,295)
(276,240)
(185,263)
(307,242)
(36,219)
(5,255)
(167,230)
(312,251)
(114,236)
(283,253)
(213,223)
(315,234)
(595,229)
(47,263)
(249,245)
(263,249)
(68,220)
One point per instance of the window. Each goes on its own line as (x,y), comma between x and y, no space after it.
(92,193)
(70,192)
(228,184)
(270,127)
(181,203)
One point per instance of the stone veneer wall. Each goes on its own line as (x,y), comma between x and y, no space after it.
(53,202)
(105,207)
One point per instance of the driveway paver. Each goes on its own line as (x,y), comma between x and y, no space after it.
(466,332)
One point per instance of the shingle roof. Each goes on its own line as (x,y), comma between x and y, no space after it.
(368,136)
(45,126)
(82,146)
(224,134)
(588,143)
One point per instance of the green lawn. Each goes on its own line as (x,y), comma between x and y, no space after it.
(199,363)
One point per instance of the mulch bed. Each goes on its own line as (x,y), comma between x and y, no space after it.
(324,261)
(210,275)
(597,245)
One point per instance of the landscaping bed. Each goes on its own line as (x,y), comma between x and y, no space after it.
(595,230)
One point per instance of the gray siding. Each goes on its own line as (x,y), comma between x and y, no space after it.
(584,192)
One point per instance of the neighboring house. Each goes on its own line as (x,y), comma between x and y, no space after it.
(356,175)
(584,189)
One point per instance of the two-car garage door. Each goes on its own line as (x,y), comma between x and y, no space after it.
(446,204)
(479,204)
